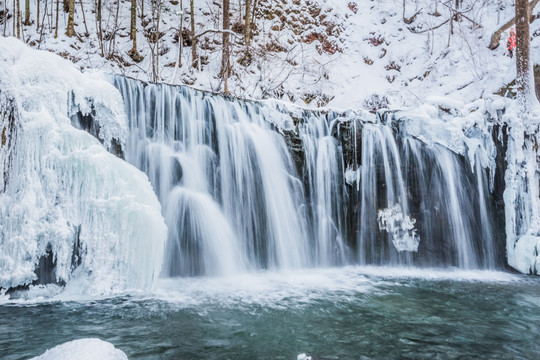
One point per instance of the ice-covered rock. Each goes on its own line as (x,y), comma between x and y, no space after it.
(522,193)
(400,227)
(83,349)
(69,203)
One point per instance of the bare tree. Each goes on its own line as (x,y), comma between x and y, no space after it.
(27,12)
(18,20)
(15,14)
(225,66)
(194,57)
(70,29)
(99,28)
(57,11)
(133,53)
(247,23)
(525,75)
(155,37)
(5,17)
(86,32)
(180,43)
(37,17)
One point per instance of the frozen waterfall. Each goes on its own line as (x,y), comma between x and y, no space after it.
(69,209)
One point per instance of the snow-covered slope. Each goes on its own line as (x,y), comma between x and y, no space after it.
(69,203)
(344,53)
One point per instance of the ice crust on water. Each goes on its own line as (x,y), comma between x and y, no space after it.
(83,349)
(63,178)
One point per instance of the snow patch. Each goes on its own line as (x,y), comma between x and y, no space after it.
(83,349)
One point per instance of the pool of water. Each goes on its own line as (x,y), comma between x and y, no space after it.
(346,313)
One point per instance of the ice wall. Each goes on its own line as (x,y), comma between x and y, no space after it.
(522,195)
(68,199)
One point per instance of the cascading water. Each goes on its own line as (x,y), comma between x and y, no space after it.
(227,184)
(234,199)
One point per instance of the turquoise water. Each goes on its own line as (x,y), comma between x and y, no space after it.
(348,313)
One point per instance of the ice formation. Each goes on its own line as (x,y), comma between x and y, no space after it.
(400,227)
(83,349)
(522,193)
(68,202)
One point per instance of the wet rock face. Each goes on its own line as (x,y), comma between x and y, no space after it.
(296,149)
(499,134)
(88,124)
(349,136)
(8,135)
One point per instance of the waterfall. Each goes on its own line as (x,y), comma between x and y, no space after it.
(236,198)
(220,171)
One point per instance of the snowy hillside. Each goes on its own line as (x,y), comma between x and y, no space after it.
(343,53)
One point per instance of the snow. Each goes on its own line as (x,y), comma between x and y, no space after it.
(83,349)
(63,178)
(378,54)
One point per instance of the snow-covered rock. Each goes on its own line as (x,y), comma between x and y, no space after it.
(83,349)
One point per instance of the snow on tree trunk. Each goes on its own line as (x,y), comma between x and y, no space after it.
(525,75)
(225,51)
(194,57)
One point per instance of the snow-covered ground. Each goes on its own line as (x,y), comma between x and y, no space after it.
(344,53)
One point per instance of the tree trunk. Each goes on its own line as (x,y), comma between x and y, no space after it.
(133,29)
(37,17)
(27,12)
(496,37)
(255,3)
(194,57)
(70,29)
(524,75)
(225,44)
(247,30)
(18,20)
(86,32)
(181,35)
(5,18)
(57,11)
(99,28)
(180,43)
(133,53)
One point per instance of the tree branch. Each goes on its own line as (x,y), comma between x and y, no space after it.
(430,29)
(219,31)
